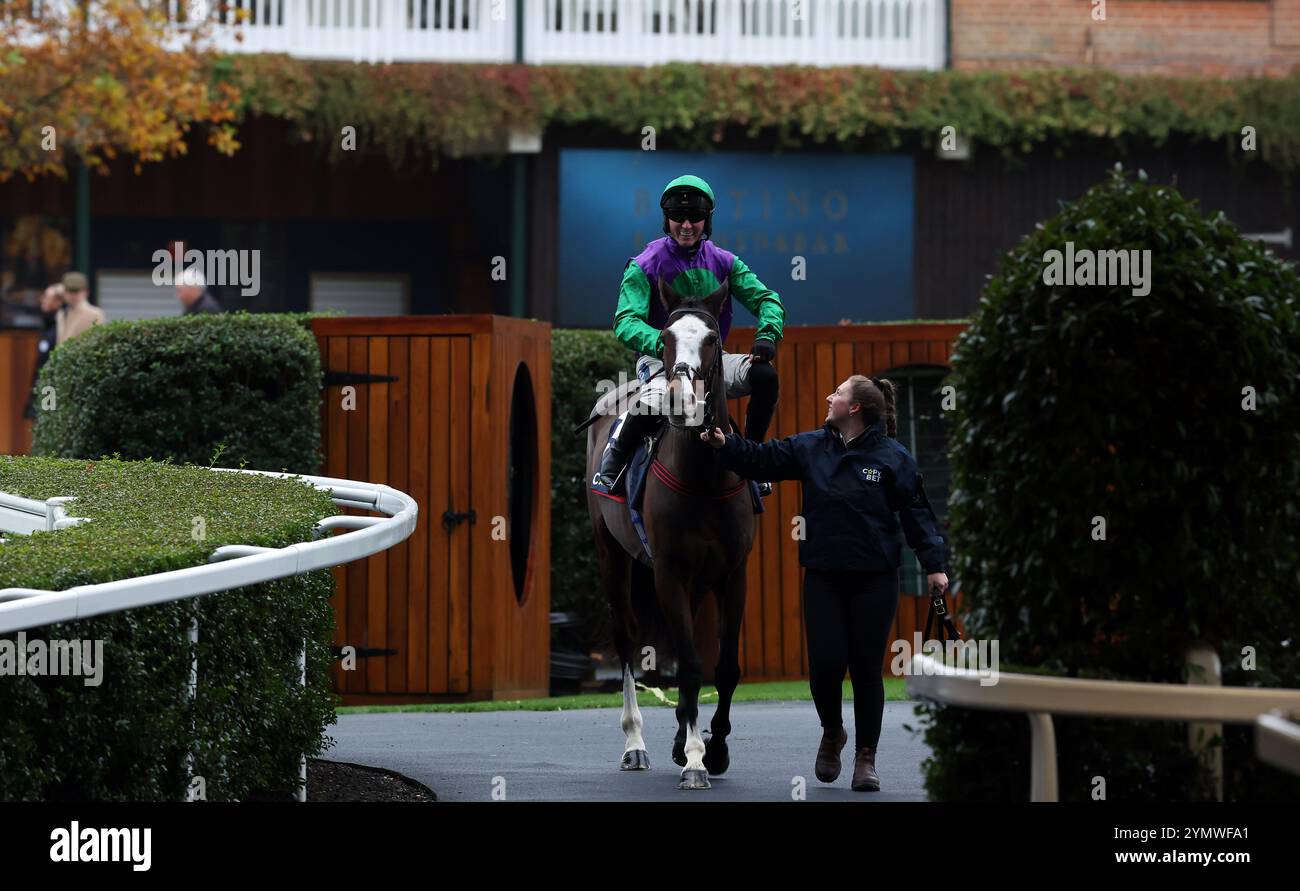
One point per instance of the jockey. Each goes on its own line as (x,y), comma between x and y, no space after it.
(694,267)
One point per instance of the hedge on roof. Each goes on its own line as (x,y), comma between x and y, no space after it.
(127,738)
(427,109)
(181,388)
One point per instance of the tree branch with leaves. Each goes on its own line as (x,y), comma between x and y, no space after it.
(100,79)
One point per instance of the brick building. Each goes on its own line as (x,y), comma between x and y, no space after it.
(1215,37)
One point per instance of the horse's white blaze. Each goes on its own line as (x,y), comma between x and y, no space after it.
(631,721)
(688,337)
(694,748)
(689,333)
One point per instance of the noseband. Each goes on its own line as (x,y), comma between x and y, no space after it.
(681,369)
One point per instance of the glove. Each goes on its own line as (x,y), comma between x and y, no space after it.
(764,349)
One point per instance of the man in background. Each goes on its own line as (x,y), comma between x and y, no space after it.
(193,293)
(78,315)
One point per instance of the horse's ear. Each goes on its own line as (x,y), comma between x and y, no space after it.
(713,303)
(668,297)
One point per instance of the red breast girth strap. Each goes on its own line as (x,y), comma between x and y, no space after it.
(665,476)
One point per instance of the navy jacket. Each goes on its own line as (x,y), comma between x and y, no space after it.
(853,496)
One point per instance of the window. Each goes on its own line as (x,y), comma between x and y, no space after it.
(129,294)
(923,429)
(360,295)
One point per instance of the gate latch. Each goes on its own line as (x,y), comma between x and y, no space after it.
(451,519)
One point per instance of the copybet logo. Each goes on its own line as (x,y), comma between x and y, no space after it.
(871,474)
(89,845)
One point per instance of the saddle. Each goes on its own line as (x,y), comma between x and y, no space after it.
(635,476)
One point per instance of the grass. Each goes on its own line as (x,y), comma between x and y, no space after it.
(772,691)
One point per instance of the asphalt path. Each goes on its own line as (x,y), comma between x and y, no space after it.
(574,755)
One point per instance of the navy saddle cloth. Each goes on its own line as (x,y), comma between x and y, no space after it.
(634,479)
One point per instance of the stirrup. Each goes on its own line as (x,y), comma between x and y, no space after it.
(764,489)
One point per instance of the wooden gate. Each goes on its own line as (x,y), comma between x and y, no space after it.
(455,411)
(812,361)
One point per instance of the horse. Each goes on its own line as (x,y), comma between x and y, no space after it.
(700,523)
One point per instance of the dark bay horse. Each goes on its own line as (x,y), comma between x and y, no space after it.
(700,524)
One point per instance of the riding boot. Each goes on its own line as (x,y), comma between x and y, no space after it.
(635,428)
(865,778)
(764,388)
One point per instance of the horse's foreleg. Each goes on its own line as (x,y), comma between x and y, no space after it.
(673,597)
(726,676)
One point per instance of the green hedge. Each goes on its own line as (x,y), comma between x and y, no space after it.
(1082,401)
(579,361)
(424,110)
(127,738)
(180,388)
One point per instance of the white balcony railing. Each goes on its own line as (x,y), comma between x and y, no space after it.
(887,33)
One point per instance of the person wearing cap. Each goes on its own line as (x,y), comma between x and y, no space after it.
(78,315)
(192,291)
(692,265)
(860,484)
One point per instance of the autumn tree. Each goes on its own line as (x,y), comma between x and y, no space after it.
(97,79)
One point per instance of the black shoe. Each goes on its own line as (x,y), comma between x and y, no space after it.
(635,428)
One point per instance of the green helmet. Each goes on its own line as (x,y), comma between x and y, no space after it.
(688,192)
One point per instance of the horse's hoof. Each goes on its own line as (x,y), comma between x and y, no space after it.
(679,754)
(716,757)
(694,779)
(635,759)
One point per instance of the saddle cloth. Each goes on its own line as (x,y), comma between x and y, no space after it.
(638,471)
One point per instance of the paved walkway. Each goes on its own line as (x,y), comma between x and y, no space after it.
(573,755)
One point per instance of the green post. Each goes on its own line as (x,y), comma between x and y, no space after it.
(83,219)
(518,192)
(518,234)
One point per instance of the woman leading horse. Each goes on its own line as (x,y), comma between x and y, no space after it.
(858,484)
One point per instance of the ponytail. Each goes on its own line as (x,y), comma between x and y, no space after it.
(886,387)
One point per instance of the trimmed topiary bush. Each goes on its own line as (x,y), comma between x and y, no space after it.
(1078,402)
(127,737)
(180,388)
(579,361)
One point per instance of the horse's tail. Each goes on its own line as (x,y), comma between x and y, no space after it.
(651,629)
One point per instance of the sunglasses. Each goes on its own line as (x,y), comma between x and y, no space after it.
(695,216)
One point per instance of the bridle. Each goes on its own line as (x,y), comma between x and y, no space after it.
(681,369)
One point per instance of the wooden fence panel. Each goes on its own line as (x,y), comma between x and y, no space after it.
(17,362)
(812,361)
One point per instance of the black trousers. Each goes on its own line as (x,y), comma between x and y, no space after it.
(848,616)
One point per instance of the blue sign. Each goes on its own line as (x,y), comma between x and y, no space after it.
(849,217)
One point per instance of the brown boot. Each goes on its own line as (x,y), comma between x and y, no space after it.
(864,771)
(828,754)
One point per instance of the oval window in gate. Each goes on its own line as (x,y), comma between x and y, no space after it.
(521,483)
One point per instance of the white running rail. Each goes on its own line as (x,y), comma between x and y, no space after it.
(1277,741)
(1041,697)
(229,566)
